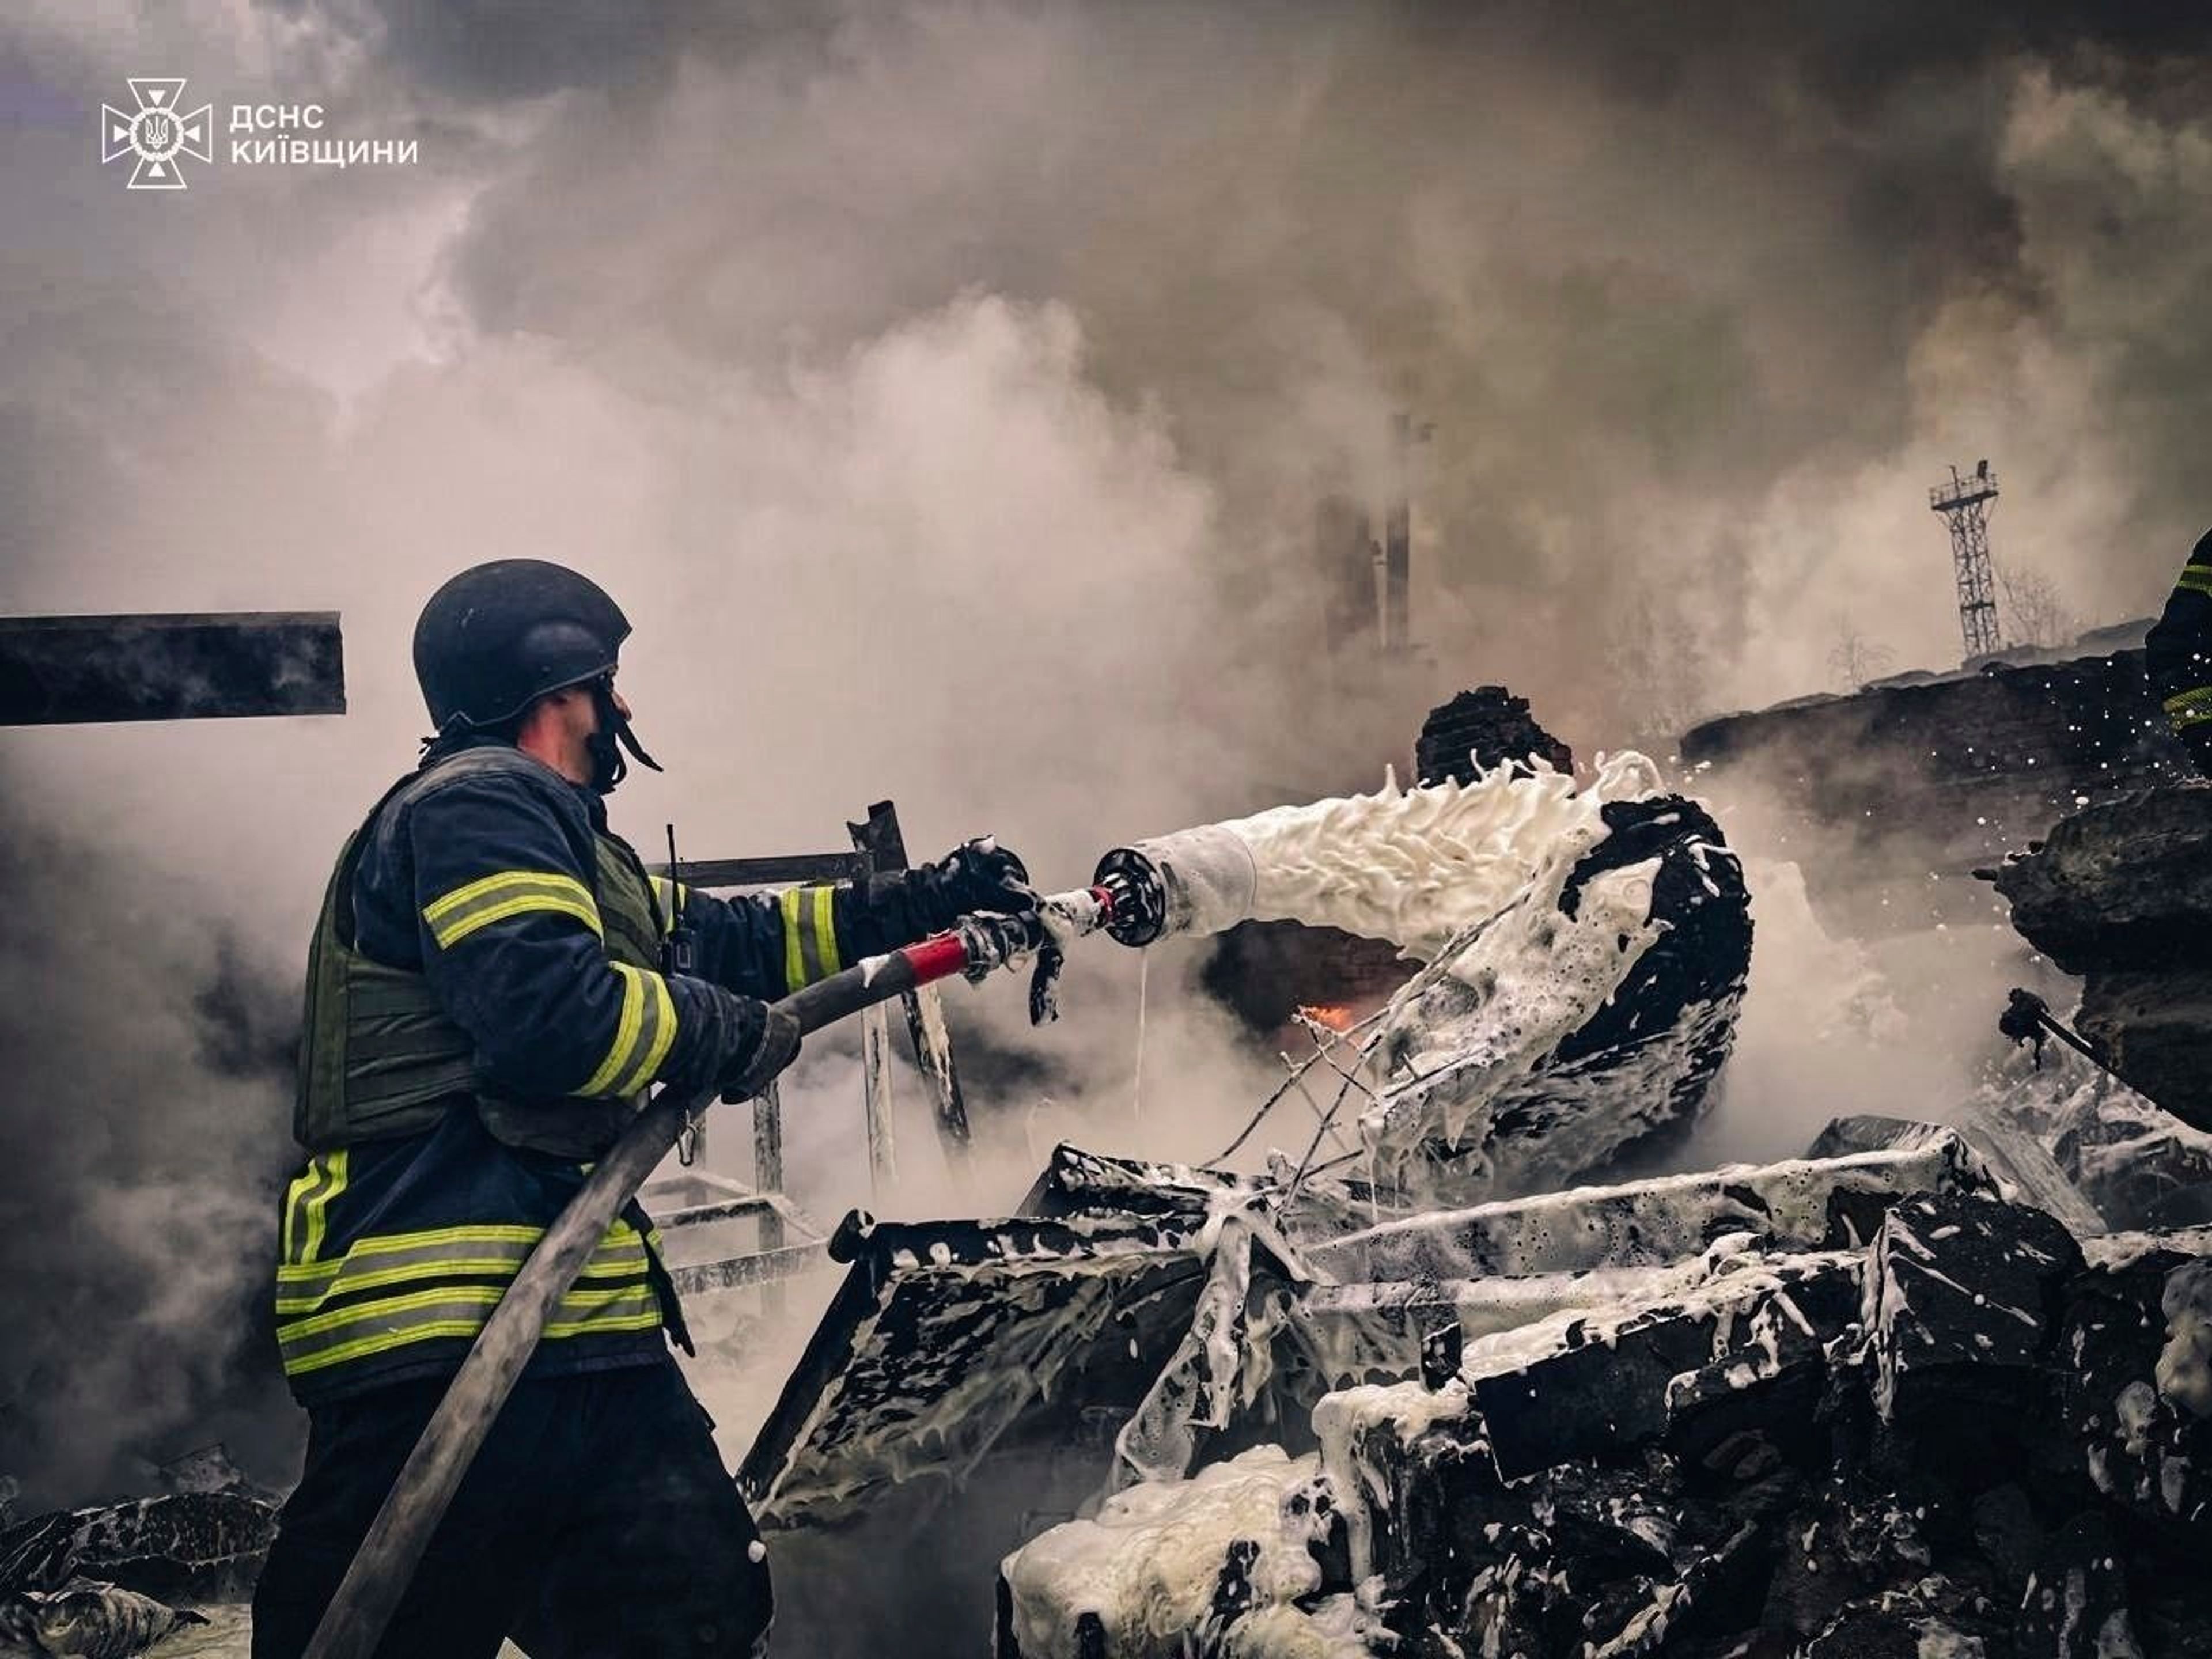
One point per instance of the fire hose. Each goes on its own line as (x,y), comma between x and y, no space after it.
(1125,904)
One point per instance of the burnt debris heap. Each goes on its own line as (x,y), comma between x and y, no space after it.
(1923,1393)
(1891,797)
(1863,1402)
(1901,1396)
(1480,731)
(2120,894)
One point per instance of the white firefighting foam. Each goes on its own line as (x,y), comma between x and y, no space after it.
(2184,1366)
(1148,1568)
(1467,879)
(1416,866)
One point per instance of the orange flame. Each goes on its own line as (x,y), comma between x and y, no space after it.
(1336,1016)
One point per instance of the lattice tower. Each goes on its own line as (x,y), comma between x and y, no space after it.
(1964,503)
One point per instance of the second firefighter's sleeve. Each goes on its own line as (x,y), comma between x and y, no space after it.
(2177,656)
(511,941)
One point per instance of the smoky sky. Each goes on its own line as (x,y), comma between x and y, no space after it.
(946,388)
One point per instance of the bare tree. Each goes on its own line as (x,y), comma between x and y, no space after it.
(2034,613)
(1652,651)
(1854,659)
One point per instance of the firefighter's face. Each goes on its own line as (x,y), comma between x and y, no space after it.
(579,712)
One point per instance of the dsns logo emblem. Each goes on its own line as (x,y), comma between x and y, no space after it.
(159,133)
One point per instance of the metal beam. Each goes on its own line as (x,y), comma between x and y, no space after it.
(57,670)
(763,1268)
(786,870)
(881,838)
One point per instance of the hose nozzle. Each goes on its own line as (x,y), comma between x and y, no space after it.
(1137,898)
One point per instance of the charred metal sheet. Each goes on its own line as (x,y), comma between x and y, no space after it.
(1806,1202)
(1359,1333)
(59,670)
(188,1546)
(1617,1377)
(2020,1166)
(945,1336)
(1080,1183)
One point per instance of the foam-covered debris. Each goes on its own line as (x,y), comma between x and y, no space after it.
(1173,1568)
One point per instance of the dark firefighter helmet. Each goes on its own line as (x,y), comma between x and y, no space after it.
(499,634)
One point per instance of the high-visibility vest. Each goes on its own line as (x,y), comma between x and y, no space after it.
(379,1059)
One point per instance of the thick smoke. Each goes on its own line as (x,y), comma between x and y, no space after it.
(148,1065)
(945,389)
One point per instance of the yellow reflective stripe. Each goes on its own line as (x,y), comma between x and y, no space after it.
(810,935)
(2190,707)
(639,1310)
(619,1235)
(825,929)
(453,917)
(390,1244)
(672,896)
(656,1032)
(794,963)
(485,1296)
(314,1203)
(360,1267)
(346,1283)
(455,1311)
(304,1185)
(2195,579)
(344,1278)
(623,1050)
(390,1307)
(643,1034)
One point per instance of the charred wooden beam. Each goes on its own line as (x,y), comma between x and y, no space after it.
(57,670)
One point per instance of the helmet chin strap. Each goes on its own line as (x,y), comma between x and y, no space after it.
(614,735)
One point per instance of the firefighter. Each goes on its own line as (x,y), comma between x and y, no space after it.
(2177,656)
(487,999)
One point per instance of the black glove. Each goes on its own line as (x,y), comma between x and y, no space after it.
(767,1040)
(897,907)
(730,1043)
(977,875)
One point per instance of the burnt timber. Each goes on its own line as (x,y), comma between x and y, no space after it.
(57,670)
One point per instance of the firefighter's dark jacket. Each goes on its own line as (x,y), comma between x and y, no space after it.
(2178,655)
(486,1003)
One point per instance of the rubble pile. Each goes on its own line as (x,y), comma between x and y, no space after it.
(113,1580)
(1941,1436)
(2119,893)
(1861,1402)
(1894,794)
(1926,1392)
(2138,1166)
